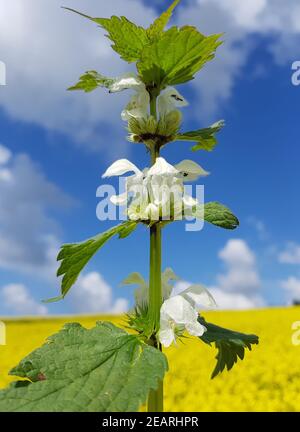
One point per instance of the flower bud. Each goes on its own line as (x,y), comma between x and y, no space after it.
(134,138)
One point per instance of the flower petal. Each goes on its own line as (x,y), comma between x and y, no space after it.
(119,199)
(141,293)
(162,167)
(126,81)
(190,170)
(169,100)
(167,276)
(198,295)
(138,208)
(195,328)
(134,279)
(121,167)
(152,212)
(179,310)
(137,106)
(166,334)
(189,201)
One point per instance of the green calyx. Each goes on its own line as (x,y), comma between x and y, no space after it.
(149,130)
(139,321)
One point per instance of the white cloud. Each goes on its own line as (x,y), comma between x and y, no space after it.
(28,236)
(46,49)
(292,287)
(241,274)
(240,20)
(259,226)
(291,255)
(5,154)
(241,14)
(17,299)
(180,286)
(226,300)
(39,69)
(237,253)
(238,287)
(92,294)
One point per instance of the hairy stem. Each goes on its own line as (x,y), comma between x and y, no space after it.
(155,400)
(155,294)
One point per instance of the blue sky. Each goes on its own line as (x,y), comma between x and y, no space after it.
(61,143)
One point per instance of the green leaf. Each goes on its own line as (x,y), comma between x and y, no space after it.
(217,214)
(230,345)
(91,80)
(176,56)
(205,138)
(128,39)
(78,370)
(156,29)
(75,256)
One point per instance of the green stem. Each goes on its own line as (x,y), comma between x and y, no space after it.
(155,399)
(153,103)
(155,292)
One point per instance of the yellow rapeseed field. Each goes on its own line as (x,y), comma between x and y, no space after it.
(267,380)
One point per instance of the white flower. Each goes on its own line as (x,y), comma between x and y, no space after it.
(162,168)
(156,192)
(139,103)
(177,315)
(169,100)
(180,313)
(190,170)
(141,294)
(127,81)
(167,276)
(138,106)
(120,167)
(198,296)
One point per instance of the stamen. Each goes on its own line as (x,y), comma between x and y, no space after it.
(176,97)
